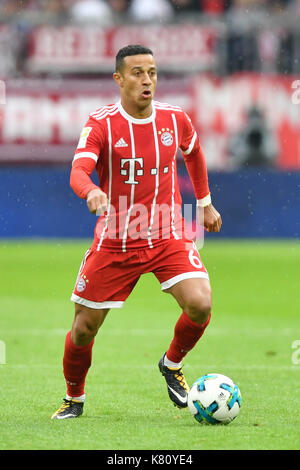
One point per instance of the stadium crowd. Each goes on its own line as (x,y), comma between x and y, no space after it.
(256,35)
(135,10)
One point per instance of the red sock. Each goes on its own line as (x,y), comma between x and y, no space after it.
(76,363)
(186,335)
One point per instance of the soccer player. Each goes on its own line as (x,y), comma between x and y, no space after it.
(133,144)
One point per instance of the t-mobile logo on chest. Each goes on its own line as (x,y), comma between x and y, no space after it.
(132,167)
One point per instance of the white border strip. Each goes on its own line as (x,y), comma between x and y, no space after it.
(109,183)
(131,192)
(191,146)
(104,115)
(86,155)
(96,305)
(190,275)
(173,179)
(156,185)
(98,114)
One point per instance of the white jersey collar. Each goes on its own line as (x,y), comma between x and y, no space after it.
(130,118)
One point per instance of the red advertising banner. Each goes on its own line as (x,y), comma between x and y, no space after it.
(40,120)
(73,49)
(222,108)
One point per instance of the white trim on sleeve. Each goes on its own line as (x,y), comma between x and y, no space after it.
(205,201)
(86,155)
(191,146)
(97,305)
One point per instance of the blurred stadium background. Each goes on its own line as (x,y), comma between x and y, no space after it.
(235,68)
(232,65)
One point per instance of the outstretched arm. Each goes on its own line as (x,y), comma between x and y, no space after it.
(97,201)
(196,166)
(84,187)
(211,219)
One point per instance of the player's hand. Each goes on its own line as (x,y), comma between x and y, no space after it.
(97,201)
(211,219)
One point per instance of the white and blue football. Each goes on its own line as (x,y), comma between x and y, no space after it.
(214,399)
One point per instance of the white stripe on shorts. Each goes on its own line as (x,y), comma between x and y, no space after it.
(180,277)
(97,305)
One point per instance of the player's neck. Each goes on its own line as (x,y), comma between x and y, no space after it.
(133,110)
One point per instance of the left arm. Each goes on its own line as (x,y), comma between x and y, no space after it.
(211,218)
(196,166)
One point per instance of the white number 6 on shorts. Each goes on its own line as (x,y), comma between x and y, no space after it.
(195,259)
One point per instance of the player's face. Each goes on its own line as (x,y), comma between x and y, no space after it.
(137,80)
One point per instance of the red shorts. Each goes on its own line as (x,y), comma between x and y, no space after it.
(106,278)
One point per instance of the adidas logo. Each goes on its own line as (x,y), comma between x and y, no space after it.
(121,143)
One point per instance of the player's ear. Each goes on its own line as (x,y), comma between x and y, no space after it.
(117,76)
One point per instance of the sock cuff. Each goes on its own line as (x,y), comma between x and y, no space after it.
(81,398)
(171,364)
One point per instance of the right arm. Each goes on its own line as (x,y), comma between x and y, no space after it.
(84,163)
(84,187)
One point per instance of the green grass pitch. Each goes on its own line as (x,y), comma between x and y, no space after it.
(251,338)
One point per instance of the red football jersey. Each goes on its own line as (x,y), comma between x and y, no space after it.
(136,163)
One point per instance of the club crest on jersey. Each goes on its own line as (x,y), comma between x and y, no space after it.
(81,284)
(166,137)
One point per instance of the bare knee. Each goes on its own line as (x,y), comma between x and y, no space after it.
(86,324)
(198,305)
(83,331)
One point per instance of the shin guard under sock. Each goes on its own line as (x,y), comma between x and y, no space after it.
(186,335)
(76,363)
